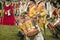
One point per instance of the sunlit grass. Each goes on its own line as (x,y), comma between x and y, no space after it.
(8,32)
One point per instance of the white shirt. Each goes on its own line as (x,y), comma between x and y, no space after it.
(23,8)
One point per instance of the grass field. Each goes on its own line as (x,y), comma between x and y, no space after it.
(8,32)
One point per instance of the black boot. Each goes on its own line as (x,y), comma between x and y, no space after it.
(19,34)
(55,35)
(22,37)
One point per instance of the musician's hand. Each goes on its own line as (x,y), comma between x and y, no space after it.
(25,32)
(38,15)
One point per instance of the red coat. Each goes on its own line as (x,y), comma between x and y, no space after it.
(55,12)
(0,20)
(8,20)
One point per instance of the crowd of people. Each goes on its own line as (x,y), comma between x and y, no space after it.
(31,17)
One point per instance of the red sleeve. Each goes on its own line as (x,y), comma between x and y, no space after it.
(54,13)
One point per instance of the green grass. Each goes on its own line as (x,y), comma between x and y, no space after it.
(49,36)
(8,32)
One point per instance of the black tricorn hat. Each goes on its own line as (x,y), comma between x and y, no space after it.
(33,1)
(8,0)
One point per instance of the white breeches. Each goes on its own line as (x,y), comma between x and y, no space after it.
(39,36)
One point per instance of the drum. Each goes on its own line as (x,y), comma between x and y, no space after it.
(31,30)
(28,29)
(50,26)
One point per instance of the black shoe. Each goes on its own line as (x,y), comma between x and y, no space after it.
(22,38)
(19,34)
(55,35)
